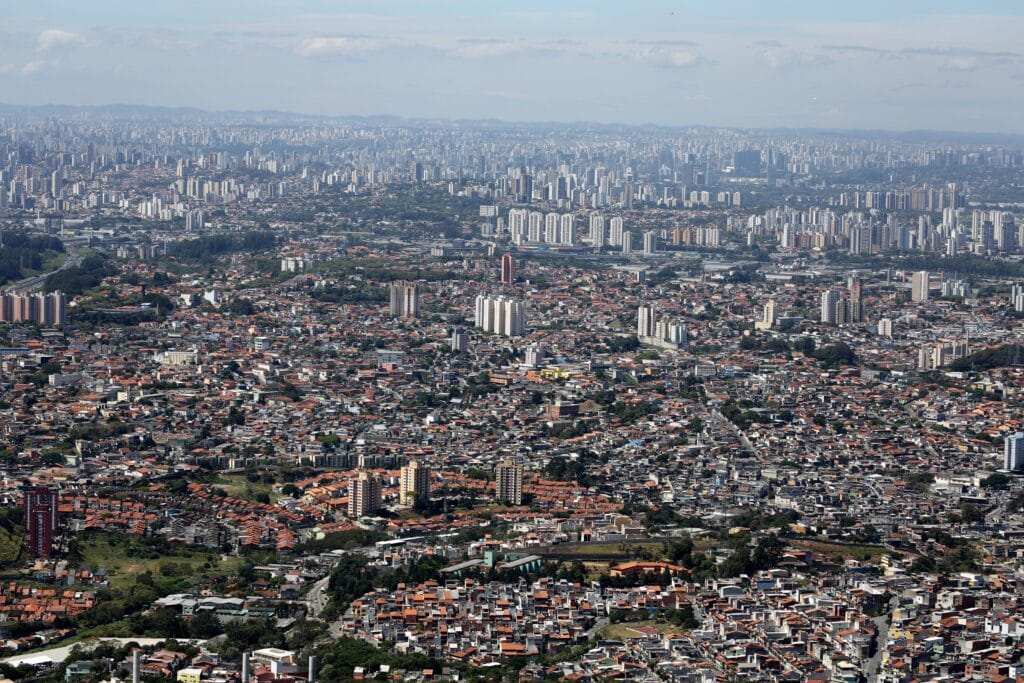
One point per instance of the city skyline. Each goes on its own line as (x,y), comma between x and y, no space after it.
(735,64)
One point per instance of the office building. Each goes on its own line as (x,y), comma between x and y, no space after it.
(509,480)
(413,484)
(363,495)
(41,520)
(1013,452)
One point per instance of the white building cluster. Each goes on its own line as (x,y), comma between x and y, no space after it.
(501,315)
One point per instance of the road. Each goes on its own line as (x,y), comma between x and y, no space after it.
(34,283)
(871,667)
(739,432)
(55,655)
(316,598)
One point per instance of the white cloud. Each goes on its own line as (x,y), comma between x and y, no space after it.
(34,67)
(53,38)
(340,46)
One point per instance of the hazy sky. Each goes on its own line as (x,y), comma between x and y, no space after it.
(894,64)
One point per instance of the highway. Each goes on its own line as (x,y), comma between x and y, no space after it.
(35,283)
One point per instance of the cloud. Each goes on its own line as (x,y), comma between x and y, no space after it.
(34,67)
(671,54)
(52,39)
(341,46)
(27,69)
(666,54)
(949,58)
(484,48)
(778,57)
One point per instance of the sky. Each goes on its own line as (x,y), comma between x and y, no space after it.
(867,64)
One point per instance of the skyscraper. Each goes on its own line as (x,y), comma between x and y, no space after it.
(1013,452)
(508,269)
(853,285)
(597,231)
(615,231)
(919,286)
(500,315)
(413,483)
(363,495)
(41,519)
(567,235)
(405,300)
(830,303)
(509,479)
(645,323)
(650,243)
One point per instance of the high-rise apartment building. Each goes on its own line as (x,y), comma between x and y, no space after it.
(459,340)
(500,315)
(1013,452)
(645,322)
(48,310)
(405,300)
(598,235)
(615,231)
(919,286)
(769,316)
(830,303)
(508,269)
(650,243)
(509,479)
(41,519)
(413,483)
(363,495)
(567,229)
(856,305)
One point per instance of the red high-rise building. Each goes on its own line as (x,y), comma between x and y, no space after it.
(508,269)
(41,518)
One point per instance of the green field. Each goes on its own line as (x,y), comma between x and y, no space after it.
(839,551)
(237,486)
(124,560)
